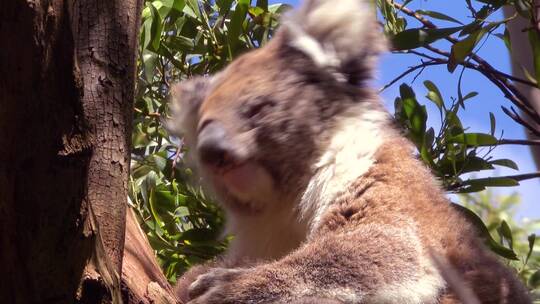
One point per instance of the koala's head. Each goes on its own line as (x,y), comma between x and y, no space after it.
(256,129)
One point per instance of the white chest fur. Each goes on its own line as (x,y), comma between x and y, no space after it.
(348,156)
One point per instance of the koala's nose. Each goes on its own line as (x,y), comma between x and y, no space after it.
(212,146)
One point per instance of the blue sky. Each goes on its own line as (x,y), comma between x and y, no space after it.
(476,115)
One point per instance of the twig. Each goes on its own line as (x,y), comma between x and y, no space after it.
(493,71)
(515,116)
(471,8)
(439,61)
(410,70)
(517,178)
(524,142)
(515,97)
(522,177)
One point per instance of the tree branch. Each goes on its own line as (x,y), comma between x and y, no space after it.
(409,71)
(487,73)
(522,177)
(497,77)
(523,142)
(515,116)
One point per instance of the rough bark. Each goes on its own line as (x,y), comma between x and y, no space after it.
(105,35)
(522,58)
(65,113)
(142,279)
(44,156)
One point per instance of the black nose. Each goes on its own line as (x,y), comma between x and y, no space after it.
(212,146)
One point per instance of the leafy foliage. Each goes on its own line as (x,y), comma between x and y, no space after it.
(516,240)
(453,151)
(182,38)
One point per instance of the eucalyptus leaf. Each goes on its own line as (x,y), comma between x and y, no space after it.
(434,94)
(492,123)
(491,182)
(415,38)
(464,48)
(438,15)
(474,139)
(505,163)
(506,232)
(477,222)
(534,280)
(534,40)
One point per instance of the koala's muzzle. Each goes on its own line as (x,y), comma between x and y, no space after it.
(213,147)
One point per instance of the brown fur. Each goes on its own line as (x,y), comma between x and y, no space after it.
(369,240)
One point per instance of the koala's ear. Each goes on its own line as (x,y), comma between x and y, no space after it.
(186,99)
(341,36)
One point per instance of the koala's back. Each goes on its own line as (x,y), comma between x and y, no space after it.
(399,191)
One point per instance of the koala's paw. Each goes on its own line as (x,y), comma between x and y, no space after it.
(219,285)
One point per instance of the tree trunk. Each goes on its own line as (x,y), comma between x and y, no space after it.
(65,113)
(522,58)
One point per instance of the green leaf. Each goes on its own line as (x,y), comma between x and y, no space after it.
(262,4)
(469,164)
(198,235)
(181,43)
(472,164)
(491,182)
(149,63)
(235,26)
(255,11)
(181,211)
(505,37)
(434,94)
(438,15)
(155,215)
(192,9)
(505,163)
(506,233)
(492,124)
(470,95)
(406,92)
(279,8)
(534,280)
(532,240)
(470,28)
(534,39)
(152,29)
(177,5)
(418,37)
(474,139)
(483,231)
(416,115)
(454,123)
(464,48)
(528,75)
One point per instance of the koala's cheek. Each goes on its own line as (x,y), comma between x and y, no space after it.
(248,182)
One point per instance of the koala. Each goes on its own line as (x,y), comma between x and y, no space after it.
(323,194)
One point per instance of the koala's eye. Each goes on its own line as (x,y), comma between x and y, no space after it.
(255,107)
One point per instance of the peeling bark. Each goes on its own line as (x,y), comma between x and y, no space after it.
(143,281)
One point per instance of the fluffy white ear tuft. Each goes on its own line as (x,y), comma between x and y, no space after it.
(336,33)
